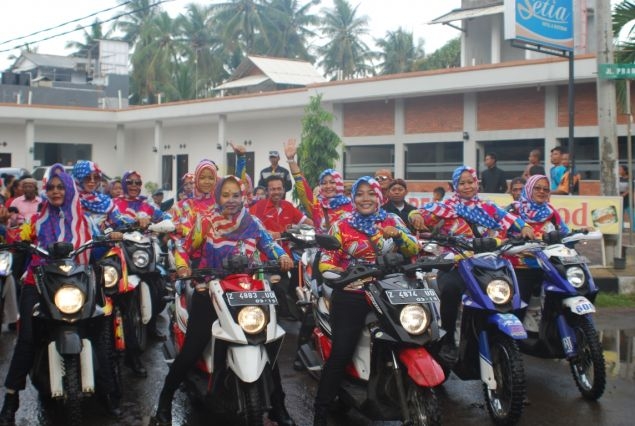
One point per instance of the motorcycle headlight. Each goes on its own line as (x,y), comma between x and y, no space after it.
(69,299)
(140,258)
(575,276)
(414,319)
(111,276)
(252,319)
(5,261)
(499,291)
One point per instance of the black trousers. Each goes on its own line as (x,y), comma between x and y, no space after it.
(348,316)
(451,286)
(199,325)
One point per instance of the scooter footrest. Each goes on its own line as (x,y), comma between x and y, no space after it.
(309,358)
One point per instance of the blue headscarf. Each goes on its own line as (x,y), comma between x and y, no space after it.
(92,201)
(366,223)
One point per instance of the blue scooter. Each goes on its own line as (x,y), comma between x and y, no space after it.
(559,317)
(488,348)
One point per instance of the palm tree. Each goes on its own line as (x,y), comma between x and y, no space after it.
(138,13)
(244,24)
(624,18)
(291,28)
(90,45)
(447,56)
(398,52)
(344,51)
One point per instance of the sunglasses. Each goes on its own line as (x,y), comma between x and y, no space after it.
(542,188)
(134,182)
(381,178)
(59,187)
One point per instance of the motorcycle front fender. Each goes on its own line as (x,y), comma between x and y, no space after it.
(247,362)
(68,342)
(146,303)
(579,305)
(508,324)
(422,368)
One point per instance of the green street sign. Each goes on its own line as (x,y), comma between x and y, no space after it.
(617,71)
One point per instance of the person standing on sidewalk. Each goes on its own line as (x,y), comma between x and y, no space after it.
(493,179)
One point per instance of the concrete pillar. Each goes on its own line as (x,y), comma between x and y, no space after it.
(222,138)
(29,141)
(469,129)
(399,164)
(120,147)
(551,124)
(156,151)
(495,39)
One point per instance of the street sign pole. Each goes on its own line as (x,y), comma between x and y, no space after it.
(629,159)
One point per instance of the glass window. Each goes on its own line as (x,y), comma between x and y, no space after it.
(512,156)
(433,161)
(587,156)
(365,160)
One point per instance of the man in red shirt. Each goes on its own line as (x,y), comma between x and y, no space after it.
(276,215)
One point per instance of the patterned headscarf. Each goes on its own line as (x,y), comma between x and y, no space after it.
(238,226)
(200,167)
(339,199)
(94,202)
(124,186)
(366,223)
(66,222)
(456,206)
(527,208)
(188,177)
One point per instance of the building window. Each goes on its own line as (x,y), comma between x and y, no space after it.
(587,156)
(433,161)
(512,156)
(364,160)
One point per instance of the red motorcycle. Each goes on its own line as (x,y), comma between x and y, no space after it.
(392,374)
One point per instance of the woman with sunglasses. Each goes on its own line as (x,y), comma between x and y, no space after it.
(467,215)
(60,218)
(99,208)
(228,229)
(136,207)
(369,231)
(534,209)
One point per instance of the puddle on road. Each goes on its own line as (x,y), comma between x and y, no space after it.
(619,352)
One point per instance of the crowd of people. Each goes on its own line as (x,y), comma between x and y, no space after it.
(220,215)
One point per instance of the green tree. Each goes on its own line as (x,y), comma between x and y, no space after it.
(344,51)
(244,24)
(399,52)
(137,14)
(90,45)
(624,18)
(448,56)
(318,147)
(291,28)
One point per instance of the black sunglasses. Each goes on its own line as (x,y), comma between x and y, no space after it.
(133,182)
(59,187)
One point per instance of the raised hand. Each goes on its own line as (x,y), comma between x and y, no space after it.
(290,148)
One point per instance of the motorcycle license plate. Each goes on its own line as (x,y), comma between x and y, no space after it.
(242,298)
(421,295)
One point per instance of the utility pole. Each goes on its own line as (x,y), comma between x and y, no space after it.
(606,102)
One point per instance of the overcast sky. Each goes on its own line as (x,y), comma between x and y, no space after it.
(25,17)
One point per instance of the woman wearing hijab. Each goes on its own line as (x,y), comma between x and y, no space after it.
(60,219)
(534,209)
(99,208)
(330,203)
(134,205)
(464,214)
(369,231)
(230,229)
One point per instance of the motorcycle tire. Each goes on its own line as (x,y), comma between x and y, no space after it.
(253,414)
(134,314)
(588,367)
(423,406)
(72,402)
(505,403)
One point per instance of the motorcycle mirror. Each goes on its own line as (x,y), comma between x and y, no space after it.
(162,227)
(552,237)
(391,259)
(60,249)
(483,245)
(327,242)
(237,263)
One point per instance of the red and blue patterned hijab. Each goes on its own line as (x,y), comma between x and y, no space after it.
(92,201)
(66,222)
(367,223)
(529,210)
(236,227)
(339,199)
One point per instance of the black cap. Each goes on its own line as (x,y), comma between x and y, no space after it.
(157,192)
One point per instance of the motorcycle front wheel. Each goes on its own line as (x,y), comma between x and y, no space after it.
(253,414)
(72,402)
(588,367)
(139,330)
(423,406)
(505,403)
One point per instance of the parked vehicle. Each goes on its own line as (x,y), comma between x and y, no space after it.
(233,378)
(559,319)
(68,325)
(8,290)
(392,373)
(490,331)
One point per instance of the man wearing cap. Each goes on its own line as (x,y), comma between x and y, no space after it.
(27,204)
(275,169)
(157,198)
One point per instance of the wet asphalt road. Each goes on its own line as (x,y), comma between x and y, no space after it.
(554,399)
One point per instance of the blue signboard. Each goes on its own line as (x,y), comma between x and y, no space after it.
(542,22)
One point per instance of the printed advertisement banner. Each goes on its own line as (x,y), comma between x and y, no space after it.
(602,213)
(542,22)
